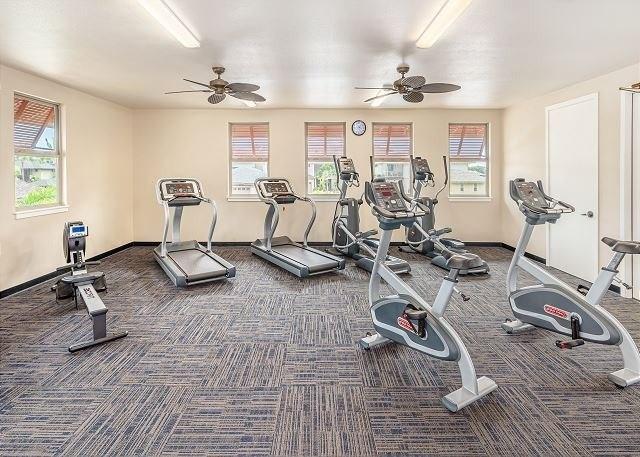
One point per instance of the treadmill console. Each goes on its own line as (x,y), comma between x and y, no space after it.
(421,169)
(387,195)
(171,189)
(278,189)
(530,193)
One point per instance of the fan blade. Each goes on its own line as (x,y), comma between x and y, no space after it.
(414,97)
(216,98)
(196,82)
(242,87)
(380,96)
(248,96)
(413,81)
(374,88)
(185,91)
(437,88)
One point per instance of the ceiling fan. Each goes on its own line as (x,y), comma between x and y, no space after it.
(412,88)
(221,88)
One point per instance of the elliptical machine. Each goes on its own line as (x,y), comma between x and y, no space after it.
(554,305)
(423,237)
(406,318)
(84,284)
(345,230)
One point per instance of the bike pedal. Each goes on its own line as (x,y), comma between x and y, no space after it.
(569,344)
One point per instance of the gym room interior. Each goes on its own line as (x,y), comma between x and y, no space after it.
(345,228)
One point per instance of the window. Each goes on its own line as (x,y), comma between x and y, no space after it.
(323,141)
(37,158)
(249,144)
(468,160)
(392,146)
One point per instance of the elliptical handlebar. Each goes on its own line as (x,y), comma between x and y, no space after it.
(446,178)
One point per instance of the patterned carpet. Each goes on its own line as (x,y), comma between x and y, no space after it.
(267,364)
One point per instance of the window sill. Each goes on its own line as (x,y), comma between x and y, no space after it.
(470,199)
(238,198)
(26,213)
(324,198)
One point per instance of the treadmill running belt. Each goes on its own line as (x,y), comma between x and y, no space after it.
(196,264)
(314,261)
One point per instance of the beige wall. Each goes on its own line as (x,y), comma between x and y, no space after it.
(524,152)
(99,171)
(181,143)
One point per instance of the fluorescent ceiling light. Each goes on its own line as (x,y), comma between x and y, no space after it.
(168,19)
(445,17)
(249,103)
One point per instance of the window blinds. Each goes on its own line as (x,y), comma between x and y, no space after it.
(467,141)
(31,118)
(250,142)
(324,140)
(391,141)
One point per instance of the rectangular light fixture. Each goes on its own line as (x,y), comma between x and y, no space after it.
(168,19)
(447,15)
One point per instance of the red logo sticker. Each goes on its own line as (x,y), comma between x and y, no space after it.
(405,324)
(556,312)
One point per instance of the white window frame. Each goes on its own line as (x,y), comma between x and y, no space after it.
(332,196)
(60,153)
(408,158)
(244,197)
(476,198)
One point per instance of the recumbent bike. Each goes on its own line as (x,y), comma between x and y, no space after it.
(554,305)
(405,317)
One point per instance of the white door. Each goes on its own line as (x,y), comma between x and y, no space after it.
(635,190)
(572,172)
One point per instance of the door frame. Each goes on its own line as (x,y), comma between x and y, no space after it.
(548,109)
(628,149)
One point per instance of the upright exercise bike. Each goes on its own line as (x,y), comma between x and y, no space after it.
(406,318)
(422,237)
(554,305)
(345,230)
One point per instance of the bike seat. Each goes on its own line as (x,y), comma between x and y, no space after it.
(626,247)
(416,314)
(463,261)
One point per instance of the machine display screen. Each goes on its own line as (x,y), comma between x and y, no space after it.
(421,165)
(180,188)
(276,188)
(387,196)
(78,229)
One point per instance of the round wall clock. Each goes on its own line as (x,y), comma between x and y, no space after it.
(358,127)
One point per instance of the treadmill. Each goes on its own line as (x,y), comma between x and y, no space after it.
(299,259)
(187,262)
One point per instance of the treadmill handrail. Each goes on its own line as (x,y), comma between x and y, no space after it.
(167,213)
(273,214)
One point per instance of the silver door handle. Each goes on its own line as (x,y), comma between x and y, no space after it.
(588,214)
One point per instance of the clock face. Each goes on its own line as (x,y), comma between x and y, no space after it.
(358,128)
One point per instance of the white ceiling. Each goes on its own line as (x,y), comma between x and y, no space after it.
(312,53)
